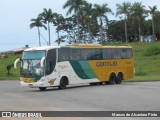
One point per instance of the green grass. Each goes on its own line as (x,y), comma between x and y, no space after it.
(14,73)
(144,78)
(147,67)
(152,50)
(150,65)
(147,60)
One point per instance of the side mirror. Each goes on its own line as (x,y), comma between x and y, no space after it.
(42,61)
(15,62)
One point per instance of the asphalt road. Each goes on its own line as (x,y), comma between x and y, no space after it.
(129,96)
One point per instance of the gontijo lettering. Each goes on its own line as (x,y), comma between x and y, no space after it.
(103,64)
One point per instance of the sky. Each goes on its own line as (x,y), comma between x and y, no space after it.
(16,15)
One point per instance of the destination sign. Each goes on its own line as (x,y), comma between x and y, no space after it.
(103,64)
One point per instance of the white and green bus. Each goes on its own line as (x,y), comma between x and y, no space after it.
(73,64)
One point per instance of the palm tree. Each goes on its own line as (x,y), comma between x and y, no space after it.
(37,23)
(100,11)
(124,8)
(87,15)
(47,17)
(139,13)
(57,20)
(153,11)
(75,5)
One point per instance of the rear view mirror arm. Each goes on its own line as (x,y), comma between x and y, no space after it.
(15,62)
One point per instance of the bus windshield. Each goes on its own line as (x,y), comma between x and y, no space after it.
(30,66)
(33,54)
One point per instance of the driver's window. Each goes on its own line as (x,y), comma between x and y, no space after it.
(50,61)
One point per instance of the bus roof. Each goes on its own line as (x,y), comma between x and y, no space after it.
(42,48)
(76,46)
(96,46)
(85,45)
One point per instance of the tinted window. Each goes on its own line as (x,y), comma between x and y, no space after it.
(96,54)
(107,53)
(129,53)
(116,53)
(63,54)
(86,54)
(123,53)
(75,54)
(50,61)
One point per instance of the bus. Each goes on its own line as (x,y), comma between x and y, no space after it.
(60,66)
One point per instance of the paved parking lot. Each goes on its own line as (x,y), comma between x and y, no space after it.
(129,96)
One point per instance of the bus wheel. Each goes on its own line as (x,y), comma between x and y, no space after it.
(96,83)
(92,84)
(63,83)
(42,88)
(119,78)
(112,79)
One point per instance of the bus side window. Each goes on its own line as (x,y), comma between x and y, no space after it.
(63,54)
(116,53)
(49,67)
(97,54)
(75,54)
(50,61)
(86,54)
(124,53)
(107,53)
(129,53)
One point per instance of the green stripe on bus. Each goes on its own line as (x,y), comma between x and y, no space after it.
(87,69)
(82,69)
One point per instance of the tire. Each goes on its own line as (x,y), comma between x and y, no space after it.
(112,79)
(42,88)
(96,83)
(63,83)
(92,84)
(119,78)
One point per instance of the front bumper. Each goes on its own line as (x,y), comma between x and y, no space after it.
(32,84)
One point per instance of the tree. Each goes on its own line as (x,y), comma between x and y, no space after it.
(139,13)
(147,27)
(124,8)
(75,5)
(37,23)
(47,17)
(153,11)
(57,20)
(87,15)
(157,25)
(116,31)
(100,11)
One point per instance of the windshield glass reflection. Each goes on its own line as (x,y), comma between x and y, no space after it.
(34,54)
(31,68)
